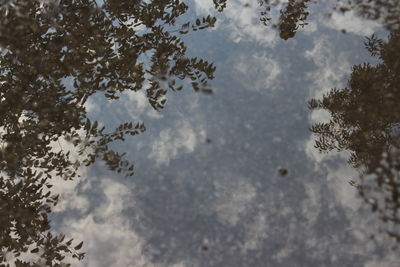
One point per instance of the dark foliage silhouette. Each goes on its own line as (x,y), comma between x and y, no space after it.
(365,120)
(54,56)
(292,16)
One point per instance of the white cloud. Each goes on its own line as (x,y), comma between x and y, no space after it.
(258,72)
(312,204)
(391,260)
(233,197)
(310,28)
(256,232)
(242,22)
(332,66)
(351,23)
(338,182)
(182,138)
(107,234)
(204,7)
(136,105)
(91,106)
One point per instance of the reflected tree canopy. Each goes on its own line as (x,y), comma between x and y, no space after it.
(386,12)
(54,55)
(365,120)
(293,14)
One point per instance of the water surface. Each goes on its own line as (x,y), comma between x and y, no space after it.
(236,169)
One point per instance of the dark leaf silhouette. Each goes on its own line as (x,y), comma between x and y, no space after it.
(365,120)
(54,56)
(79,246)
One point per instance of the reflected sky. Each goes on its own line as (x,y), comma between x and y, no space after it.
(233,178)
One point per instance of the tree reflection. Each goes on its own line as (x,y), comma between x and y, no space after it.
(293,14)
(365,120)
(386,12)
(55,55)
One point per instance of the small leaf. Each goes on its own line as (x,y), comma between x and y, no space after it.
(78,246)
